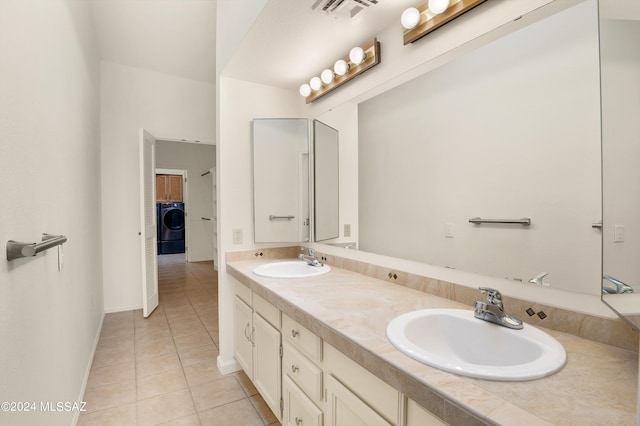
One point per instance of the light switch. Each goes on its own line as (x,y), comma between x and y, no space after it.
(448,230)
(618,233)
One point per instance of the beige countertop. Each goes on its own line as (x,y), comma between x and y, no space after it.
(350,311)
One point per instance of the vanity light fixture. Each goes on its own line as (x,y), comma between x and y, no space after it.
(410,18)
(432,15)
(315,83)
(357,55)
(360,59)
(341,67)
(305,90)
(327,76)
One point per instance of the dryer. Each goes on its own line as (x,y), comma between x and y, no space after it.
(172,228)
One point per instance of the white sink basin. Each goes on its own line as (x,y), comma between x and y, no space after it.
(290,269)
(454,340)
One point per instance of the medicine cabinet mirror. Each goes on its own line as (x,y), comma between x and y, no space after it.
(280,180)
(326,178)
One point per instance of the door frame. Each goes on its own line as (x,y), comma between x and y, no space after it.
(185,199)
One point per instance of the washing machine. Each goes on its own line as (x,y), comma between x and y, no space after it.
(172,226)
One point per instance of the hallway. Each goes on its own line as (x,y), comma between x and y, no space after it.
(162,370)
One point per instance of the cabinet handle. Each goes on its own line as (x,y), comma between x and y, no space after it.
(246,333)
(294,368)
(298,421)
(294,333)
(253,333)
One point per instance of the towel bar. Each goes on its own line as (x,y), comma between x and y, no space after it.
(16,250)
(524,221)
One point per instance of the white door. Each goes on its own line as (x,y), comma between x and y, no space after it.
(148,224)
(244,337)
(266,363)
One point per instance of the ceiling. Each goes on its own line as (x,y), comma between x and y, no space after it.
(175,37)
(287,44)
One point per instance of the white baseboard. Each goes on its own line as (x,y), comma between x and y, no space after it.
(228,366)
(122,309)
(87,371)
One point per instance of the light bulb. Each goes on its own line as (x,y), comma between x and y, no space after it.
(315,83)
(438,6)
(305,90)
(410,18)
(327,76)
(357,55)
(341,67)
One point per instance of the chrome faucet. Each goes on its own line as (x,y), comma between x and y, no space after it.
(493,310)
(620,287)
(311,258)
(538,279)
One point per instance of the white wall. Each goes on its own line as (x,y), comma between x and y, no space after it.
(50,181)
(170,108)
(509,130)
(195,159)
(240,102)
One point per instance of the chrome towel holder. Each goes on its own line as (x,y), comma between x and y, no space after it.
(524,221)
(17,250)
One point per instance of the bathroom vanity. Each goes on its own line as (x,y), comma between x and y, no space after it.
(334,365)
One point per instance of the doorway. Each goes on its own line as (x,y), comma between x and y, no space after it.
(171,211)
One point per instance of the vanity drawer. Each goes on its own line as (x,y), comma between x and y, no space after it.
(266,311)
(303,339)
(303,372)
(299,410)
(244,293)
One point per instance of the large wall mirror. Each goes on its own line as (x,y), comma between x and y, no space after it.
(508,131)
(281,180)
(620,75)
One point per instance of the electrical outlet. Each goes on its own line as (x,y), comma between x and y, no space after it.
(618,234)
(237,236)
(347,229)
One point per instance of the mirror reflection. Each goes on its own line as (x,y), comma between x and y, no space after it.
(326,178)
(510,130)
(620,81)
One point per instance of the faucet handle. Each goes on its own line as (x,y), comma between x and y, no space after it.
(310,251)
(493,296)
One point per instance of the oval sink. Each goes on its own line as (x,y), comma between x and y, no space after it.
(454,340)
(290,269)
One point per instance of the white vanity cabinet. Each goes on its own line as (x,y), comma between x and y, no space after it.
(258,345)
(355,396)
(307,382)
(416,415)
(344,408)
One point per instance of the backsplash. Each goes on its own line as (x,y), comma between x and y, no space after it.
(609,331)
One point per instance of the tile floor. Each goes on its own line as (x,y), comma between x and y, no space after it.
(162,370)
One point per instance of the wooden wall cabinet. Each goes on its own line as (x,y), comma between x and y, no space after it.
(169,188)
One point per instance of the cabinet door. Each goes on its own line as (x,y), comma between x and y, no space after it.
(267,373)
(345,409)
(174,188)
(161,188)
(243,333)
(298,409)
